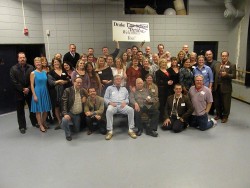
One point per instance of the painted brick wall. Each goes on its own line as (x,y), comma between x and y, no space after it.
(90,26)
(12,24)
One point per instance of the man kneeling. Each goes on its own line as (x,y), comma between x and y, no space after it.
(72,107)
(178,110)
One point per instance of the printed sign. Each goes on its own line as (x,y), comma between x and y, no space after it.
(130,31)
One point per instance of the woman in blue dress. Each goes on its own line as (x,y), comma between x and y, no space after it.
(40,103)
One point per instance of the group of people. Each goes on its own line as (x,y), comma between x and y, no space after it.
(147,87)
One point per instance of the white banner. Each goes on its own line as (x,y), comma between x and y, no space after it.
(130,31)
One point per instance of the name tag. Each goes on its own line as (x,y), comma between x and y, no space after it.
(113,93)
(100,72)
(204,71)
(227,66)
(183,104)
(202,92)
(63,73)
(153,90)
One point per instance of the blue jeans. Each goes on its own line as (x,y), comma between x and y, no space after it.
(201,122)
(75,120)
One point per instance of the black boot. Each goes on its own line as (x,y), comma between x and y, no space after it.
(139,132)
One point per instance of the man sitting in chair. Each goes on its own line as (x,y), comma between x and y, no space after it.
(72,107)
(116,98)
(144,101)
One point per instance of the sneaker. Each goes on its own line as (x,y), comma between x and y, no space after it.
(132,134)
(214,122)
(109,135)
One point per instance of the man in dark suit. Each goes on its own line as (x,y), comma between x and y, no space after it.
(20,77)
(72,56)
(224,73)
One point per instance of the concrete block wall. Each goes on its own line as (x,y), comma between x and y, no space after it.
(90,26)
(12,24)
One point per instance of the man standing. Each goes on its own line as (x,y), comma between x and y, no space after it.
(178,110)
(116,98)
(72,56)
(93,109)
(20,77)
(185,49)
(144,101)
(201,97)
(160,49)
(209,60)
(72,107)
(224,73)
(211,63)
(105,51)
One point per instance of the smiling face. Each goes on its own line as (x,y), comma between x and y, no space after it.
(139,83)
(66,66)
(187,63)
(38,63)
(78,83)
(198,81)
(177,89)
(149,80)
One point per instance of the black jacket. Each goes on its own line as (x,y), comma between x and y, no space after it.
(20,79)
(68,99)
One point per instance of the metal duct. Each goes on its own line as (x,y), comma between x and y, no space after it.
(232,12)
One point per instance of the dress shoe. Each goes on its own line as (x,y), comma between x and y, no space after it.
(132,134)
(139,132)
(69,138)
(152,133)
(109,135)
(22,130)
(89,132)
(36,125)
(217,117)
(57,127)
(224,120)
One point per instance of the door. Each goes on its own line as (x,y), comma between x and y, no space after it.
(200,47)
(8,58)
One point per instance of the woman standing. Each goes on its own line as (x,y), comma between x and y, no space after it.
(149,84)
(163,82)
(68,68)
(81,72)
(180,58)
(174,74)
(105,73)
(60,81)
(186,76)
(133,73)
(120,69)
(40,103)
(94,80)
(125,60)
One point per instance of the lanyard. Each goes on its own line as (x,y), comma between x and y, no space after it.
(174,101)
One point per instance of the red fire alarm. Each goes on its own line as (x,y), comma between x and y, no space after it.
(26,31)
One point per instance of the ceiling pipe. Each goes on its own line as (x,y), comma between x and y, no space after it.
(231,11)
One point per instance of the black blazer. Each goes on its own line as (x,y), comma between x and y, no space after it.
(69,58)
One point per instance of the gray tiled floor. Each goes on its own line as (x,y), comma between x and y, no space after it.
(219,157)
